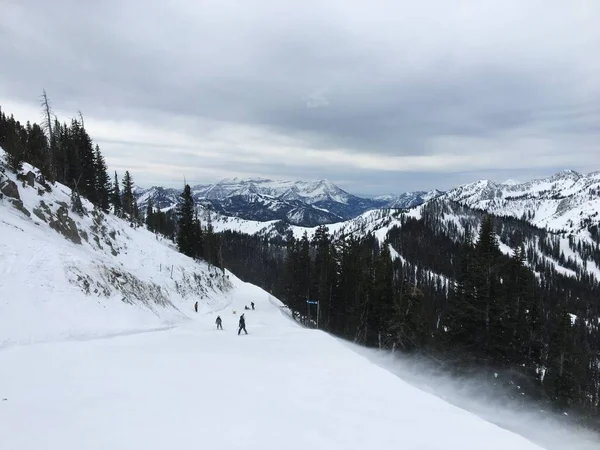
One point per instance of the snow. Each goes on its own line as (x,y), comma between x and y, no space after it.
(503,247)
(280,386)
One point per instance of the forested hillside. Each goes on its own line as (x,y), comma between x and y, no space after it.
(441,284)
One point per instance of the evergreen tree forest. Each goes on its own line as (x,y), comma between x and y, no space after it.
(63,153)
(453,297)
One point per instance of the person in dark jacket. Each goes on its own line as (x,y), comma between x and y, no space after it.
(242,325)
(196,306)
(252,304)
(219,323)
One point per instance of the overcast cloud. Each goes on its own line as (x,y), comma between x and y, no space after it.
(377,96)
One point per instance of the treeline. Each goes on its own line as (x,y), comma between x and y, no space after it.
(453,297)
(65,153)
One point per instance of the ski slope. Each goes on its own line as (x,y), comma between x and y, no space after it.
(192,386)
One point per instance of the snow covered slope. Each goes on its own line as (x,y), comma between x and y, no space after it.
(566,201)
(281,386)
(63,275)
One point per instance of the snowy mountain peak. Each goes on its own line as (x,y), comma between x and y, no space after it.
(408,199)
(566,174)
(566,201)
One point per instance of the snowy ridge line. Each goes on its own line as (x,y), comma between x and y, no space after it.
(565,201)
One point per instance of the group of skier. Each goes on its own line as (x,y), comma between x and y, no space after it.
(242,322)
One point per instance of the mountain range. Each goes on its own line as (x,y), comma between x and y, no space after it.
(295,202)
(566,201)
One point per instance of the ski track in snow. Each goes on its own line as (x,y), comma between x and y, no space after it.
(281,386)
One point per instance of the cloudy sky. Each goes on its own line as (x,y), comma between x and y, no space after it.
(377,96)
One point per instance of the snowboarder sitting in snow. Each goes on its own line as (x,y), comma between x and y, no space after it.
(219,323)
(252,304)
(196,306)
(246,308)
(242,325)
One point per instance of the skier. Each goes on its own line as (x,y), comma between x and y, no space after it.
(242,325)
(196,306)
(219,323)
(252,304)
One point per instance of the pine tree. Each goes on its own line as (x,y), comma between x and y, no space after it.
(198,241)
(382,301)
(37,152)
(88,165)
(14,147)
(136,213)
(116,197)
(150,217)
(186,232)
(102,181)
(127,197)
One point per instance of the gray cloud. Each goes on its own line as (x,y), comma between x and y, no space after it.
(381,96)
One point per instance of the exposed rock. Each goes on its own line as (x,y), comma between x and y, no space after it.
(65,225)
(9,188)
(18,204)
(30,177)
(39,214)
(43,211)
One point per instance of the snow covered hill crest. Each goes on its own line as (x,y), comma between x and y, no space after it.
(566,202)
(65,275)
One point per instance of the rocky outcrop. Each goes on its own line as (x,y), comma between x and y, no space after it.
(30,178)
(43,211)
(66,226)
(18,204)
(9,189)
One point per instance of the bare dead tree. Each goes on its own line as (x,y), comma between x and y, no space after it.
(81,119)
(47,111)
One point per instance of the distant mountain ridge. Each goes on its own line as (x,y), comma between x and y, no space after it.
(566,201)
(302,203)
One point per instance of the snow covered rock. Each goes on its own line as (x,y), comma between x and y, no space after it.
(9,189)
